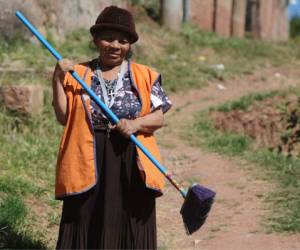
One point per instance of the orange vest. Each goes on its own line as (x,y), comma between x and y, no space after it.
(76,170)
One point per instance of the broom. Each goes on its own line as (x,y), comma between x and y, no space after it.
(197,200)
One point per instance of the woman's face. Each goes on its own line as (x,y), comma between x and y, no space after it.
(113,47)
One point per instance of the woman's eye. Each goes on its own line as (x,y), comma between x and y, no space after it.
(123,41)
(111,39)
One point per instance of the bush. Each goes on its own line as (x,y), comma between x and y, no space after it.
(152,8)
(295,27)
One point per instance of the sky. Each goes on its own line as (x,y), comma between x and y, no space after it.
(294,9)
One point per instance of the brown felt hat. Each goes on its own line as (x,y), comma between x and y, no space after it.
(115,18)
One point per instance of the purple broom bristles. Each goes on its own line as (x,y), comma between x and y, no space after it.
(196,207)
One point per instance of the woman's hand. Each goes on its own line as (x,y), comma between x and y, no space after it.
(63,66)
(66,65)
(127,127)
(146,124)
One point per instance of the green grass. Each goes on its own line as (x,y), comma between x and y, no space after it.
(175,55)
(284,201)
(18,185)
(30,143)
(216,141)
(244,102)
(179,59)
(14,232)
(27,158)
(32,63)
(12,211)
(76,45)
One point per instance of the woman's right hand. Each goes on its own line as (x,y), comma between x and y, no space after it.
(62,67)
(66,65)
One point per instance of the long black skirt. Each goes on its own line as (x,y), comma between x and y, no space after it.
(119,212)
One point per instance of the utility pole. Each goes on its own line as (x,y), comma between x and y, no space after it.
(171,14)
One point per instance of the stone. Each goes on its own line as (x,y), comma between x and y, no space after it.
(27,99)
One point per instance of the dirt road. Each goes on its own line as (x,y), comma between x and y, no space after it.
(235,220)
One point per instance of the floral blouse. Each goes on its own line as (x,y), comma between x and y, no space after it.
(127,103)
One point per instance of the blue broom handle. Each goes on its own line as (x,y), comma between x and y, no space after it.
(107,111)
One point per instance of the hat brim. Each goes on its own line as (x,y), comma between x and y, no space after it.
(96,28)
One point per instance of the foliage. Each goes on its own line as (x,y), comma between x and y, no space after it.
(152,8)
(295,27)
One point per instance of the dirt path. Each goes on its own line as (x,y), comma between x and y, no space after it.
(235,220)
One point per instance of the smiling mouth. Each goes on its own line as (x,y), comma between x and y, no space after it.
(113,55)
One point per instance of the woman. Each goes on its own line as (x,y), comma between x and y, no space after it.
(108,186)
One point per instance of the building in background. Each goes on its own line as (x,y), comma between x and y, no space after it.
(264,19)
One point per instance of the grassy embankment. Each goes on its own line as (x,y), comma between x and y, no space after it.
(283,202)
(29,214)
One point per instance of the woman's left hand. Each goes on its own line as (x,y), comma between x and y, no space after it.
(127,127)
